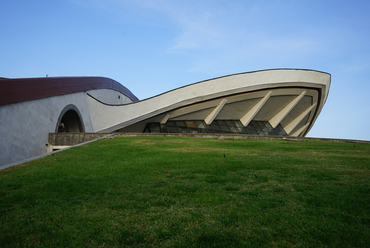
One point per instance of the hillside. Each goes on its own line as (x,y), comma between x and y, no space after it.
(190,192)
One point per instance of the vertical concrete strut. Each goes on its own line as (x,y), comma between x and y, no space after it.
(246,119)
(290,127)
(285,111)
(209,119)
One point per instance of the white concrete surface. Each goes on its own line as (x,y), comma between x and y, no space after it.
(24,126)
(110,97)
(110,118)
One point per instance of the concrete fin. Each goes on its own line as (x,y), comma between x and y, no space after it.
(209,119)
(290,127)
(285,111)
(165,119)
(299,131)
(256,108)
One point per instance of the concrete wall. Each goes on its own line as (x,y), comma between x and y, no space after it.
(25,126)
(71,139)
(110,97)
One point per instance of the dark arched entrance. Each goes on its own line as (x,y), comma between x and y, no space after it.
(70,120)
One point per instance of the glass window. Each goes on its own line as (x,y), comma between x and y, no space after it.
(154,127)
(170,124)
(264,128)
(230,123)
(221,122)
(201,124)
(172,129)
(210,129)
(183,130)
(181,123)
(216,127)
(164,129)
(220,126)
(224,127)
(249,129)
(272,132)
(257,128)
(193,130)
(238,124)
(191,124)
(260,132)
(280,130)
(204,130)
(254,125)
(233,129)
(268,126)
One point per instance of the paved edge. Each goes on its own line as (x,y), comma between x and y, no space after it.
(240,136)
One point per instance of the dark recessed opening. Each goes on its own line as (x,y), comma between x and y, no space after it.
(70,122)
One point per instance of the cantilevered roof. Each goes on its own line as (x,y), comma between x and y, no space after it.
(290,97)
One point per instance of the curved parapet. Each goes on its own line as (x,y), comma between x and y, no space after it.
(288,99)
(26,89)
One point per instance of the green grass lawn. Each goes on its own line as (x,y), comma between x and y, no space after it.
(190,192)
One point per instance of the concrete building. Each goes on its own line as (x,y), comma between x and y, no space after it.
(282,102)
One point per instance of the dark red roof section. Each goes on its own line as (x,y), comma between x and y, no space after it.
(26,89)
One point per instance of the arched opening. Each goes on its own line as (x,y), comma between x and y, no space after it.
(70,121)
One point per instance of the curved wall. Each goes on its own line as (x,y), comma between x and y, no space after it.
(24,126)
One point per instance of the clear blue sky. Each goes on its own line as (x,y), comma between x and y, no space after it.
(152,46)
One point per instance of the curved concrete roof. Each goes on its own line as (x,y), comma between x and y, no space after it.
(26,89)
(110,118)
(287,98)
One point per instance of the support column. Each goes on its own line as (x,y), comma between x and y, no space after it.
(209,119)
(246,119)
(290,127)
(165,118)
(285,111)
(299,131)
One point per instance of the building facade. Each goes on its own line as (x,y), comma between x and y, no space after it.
(284,102)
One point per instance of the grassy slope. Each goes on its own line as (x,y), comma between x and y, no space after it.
(184,192)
